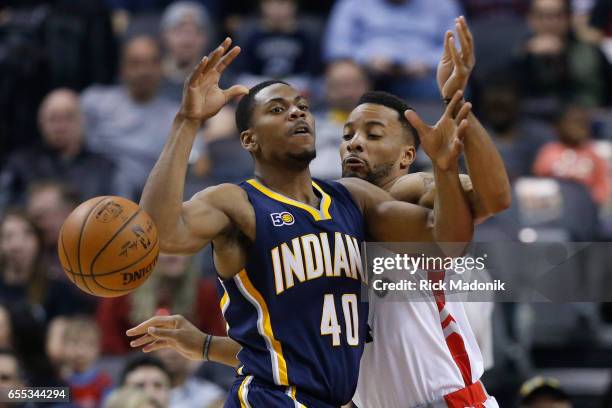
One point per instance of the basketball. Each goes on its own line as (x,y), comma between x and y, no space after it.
(108,246)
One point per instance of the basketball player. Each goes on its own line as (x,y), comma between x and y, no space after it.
(286,248)
(436,348)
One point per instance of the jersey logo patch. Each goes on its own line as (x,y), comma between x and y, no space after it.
(280,219)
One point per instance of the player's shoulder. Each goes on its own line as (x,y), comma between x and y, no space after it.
(354,185)
(363,192)
(409,187)
(222,194)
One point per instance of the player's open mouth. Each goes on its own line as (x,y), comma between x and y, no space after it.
(301,130)
(354,162)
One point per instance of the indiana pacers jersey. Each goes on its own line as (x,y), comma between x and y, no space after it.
(296,307)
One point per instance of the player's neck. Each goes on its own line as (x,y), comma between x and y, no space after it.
(296,185)
(388,182)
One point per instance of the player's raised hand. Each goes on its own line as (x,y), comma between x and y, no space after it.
(443,142)
(202,97)
(455,67)
(173,332)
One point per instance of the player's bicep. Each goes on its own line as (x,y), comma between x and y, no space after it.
(200,222)
(395,221)
(388,219)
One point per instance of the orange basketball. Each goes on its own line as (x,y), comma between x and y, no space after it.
(108,246)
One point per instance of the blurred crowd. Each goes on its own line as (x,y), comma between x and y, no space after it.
(88,92)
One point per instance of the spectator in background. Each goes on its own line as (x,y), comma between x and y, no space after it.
(176,288)
(129,397)
(554,65)
(188,390)
(345,82)
(5,328)
(49,204)
(88,384)
(542,392)
(278,47)
(399,41)
(27,338)
(10,372)
(62,156)
(573,156)
(55,345)
(185,29)
(23,274)
(129,123)
(148,374)
(517,139)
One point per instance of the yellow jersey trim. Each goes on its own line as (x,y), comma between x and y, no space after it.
(317,214)
(243,392)
(224,303)
(264,326)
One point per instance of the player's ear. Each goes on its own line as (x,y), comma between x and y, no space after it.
(248,139)
(408,154)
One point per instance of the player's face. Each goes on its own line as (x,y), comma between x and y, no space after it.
(152,381)
(373,146)
(283,126)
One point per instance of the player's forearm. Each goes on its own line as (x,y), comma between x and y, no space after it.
(487,171)
(453,220)
(224,350)
(162,196)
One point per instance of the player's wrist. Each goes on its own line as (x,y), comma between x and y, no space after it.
(206,347)
(185,119)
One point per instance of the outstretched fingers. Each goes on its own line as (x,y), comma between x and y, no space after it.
(236,90)
(417,123)
(447,39)
(156,321)
(453,51)
(463,112)
(197,71)
(227,59)
(452,106)
(462,130)
(157,345)
(467,45)
(142,340)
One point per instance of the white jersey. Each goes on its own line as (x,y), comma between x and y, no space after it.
(409,363)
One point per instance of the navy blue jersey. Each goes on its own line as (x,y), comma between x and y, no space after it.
(295,308)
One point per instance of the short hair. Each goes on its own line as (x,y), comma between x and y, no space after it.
(397,104)
(143,361)
(247,104)
(175,13)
